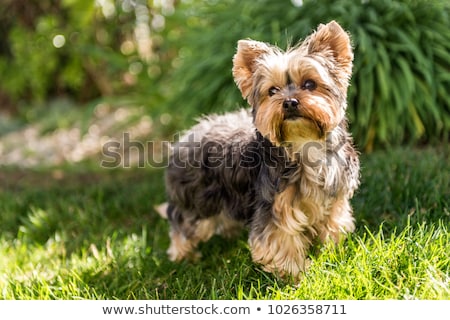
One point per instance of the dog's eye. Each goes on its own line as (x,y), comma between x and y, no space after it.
(273,90)
(309,85)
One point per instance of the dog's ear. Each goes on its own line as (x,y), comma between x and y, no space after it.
(332,39)
(245,62)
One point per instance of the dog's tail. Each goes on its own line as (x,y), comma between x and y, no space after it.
(162,209)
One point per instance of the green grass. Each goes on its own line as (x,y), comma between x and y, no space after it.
(83,233)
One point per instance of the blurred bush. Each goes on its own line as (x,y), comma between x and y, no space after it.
(82,49)
(175,56)
(401,85)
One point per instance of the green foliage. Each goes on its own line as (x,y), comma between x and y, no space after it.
(32,68)
(400,89)
(83,233)
(80,49)
(181,63)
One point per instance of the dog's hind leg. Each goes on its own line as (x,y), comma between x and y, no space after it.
(185,235)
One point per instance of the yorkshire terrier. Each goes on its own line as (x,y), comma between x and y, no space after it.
(286,169)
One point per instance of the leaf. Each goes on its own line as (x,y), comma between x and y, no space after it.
(382,81)
(419,127)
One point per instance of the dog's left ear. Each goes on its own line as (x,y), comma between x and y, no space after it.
(245,63)
(333,39)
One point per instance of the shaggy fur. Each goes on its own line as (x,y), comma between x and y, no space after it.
(285,170)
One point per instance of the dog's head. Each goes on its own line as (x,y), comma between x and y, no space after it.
(299,94)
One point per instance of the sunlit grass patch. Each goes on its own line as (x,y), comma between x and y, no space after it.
(87,233)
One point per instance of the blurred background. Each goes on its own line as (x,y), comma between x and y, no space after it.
(76,74)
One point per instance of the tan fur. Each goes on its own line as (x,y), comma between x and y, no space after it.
(279,252)
(182,247)
(244,63)
(270,129)
(333,39)
(301,213)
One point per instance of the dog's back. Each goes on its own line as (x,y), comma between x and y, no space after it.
(212,169)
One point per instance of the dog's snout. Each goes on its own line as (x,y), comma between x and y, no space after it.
(290,104)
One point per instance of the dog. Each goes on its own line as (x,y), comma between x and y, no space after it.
(285,168)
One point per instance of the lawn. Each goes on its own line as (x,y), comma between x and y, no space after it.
(81,232)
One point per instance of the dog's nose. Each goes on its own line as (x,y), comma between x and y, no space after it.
(290,104)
